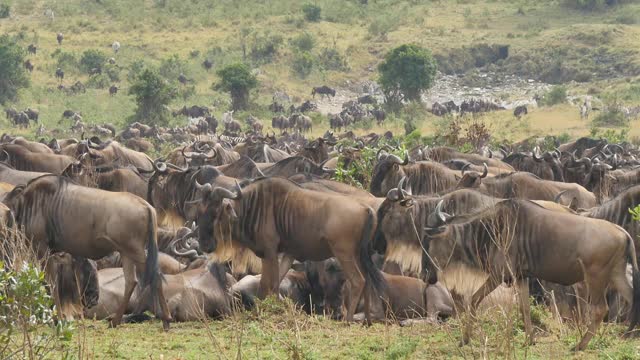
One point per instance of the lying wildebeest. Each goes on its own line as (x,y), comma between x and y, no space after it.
(58,215)
(193,295)
(423,177)
(74,283)
(300,224)
(405,298)
(294,286)
(507,242)
(323,91)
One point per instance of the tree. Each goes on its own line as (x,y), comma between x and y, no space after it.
(238,80)
(13,76)
(405,72)
(152,94)
(311,12)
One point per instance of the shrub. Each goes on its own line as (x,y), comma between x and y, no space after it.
(152,94)
(100,81)
(264,47)
(13,76)
(65,60)
(112,72)
(405,72)
(557,95)
(92,59)
(591,5)
(331,59)
(611,115)
(303,42)
(302,64)
(5,11)
(171,67)
(135,69)
(311,12)
(238,80)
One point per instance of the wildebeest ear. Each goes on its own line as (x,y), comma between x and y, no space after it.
(15,192)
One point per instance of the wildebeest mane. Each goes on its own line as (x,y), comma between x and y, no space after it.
(297,162)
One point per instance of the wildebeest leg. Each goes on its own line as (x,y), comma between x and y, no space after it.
(598,311)
(270,275)
(285,264)
(130,282)
(357,284)
(166,314)
(489,285)
(523,297)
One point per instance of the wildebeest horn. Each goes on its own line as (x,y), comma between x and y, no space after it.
(227,194)
(160,166)
(619,147)
(490,154)
(535,157)
(378,156)
(82,136)
(406,158)
(174,244)
(504,152)
(442,216)
(400,187)
(485,172)
(185,155)
(558,153)
(557,198)
(205,188)
(465,167)
(6,157)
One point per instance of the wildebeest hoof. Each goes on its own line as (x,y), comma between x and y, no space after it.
(165,325)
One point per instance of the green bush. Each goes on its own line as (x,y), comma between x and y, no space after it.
(92,59)
(5,11)
(302,64)
(152,94)
(65,60)
(264,47)
(238,80)
(13,76)
(406,72)
(112,72)
(311,12)
(557,95)
(135,69)
(331,59)
(303,42)
(171,68)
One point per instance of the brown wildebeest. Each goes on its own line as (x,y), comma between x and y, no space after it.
(441,154)
(507,242)
(28,65)
(12,176)
(32,146)
(24,160)
(523,185)
(58,215)
(113,90)
(59,38)
(193,295)
(274,215)
(424,177)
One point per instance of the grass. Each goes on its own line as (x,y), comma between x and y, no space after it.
(291,335)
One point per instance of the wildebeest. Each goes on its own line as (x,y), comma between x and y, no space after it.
(115,46)
(28,65)
(50,207)
(59,74)
(23,159)
(423,177)
(59,38)
(507,242)
(520,111)
(301,224)
(10,113)
(524,185)
(207,64)
(301,122)
(193,295)
(193,111)
(323,91)
(547,167)
(21,119)
(280,122)
(32,49)
(16,177)
(33,114)
(113,89)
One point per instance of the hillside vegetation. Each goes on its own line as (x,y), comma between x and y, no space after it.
(593,48)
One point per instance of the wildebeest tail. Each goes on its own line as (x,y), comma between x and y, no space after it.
(635,307)
(151,271)
(372,275)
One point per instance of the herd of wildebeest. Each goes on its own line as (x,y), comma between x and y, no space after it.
(228,217)
(221,221)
